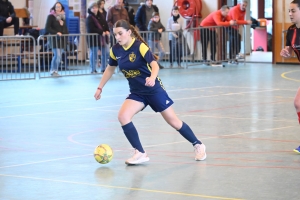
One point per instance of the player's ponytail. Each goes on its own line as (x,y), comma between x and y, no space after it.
(124,24)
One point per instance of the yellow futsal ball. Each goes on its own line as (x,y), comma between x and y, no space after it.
(103,154)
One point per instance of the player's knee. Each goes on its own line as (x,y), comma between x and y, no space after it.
(123,118)
(297,103)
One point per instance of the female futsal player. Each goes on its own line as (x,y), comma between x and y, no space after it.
(293,44)
(139,66)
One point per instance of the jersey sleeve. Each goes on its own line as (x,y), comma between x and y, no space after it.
(288,38)
(146,53)
(112,58)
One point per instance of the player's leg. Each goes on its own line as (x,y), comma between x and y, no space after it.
(129,108)
(297,106)
(172,119)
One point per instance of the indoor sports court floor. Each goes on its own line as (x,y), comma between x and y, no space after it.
(244,114)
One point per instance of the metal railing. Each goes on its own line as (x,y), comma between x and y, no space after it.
(84,54)
(72,55)
(17,57)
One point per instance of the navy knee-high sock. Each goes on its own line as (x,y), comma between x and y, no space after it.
(188,134)
(133,136)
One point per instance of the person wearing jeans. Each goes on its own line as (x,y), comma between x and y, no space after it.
(94,25)
(155,38)
(56,25)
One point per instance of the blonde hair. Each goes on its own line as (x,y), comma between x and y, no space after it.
(125,24)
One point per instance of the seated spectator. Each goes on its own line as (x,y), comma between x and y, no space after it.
(8,17)
(155,38)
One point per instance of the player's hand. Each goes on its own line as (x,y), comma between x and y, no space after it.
(232,22)
(249,22)
(150,82)
(160,30)
(285,53)
(8,20)
(97,94)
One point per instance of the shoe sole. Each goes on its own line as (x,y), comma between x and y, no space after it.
(296,151)
(138,161)
(204,155)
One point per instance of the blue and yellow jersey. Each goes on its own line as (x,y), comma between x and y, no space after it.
(134,62)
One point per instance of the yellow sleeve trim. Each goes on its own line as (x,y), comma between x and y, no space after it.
(112,54)
(143,49)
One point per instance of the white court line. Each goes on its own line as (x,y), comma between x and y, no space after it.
(174,90)
(91,98)
(74,110)
(122,187)
(60,101)
(229,135)
(147,146)
(226,94)
(93,108)
(32,163)
(238,118)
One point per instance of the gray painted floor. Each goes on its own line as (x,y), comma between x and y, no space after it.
(244,114)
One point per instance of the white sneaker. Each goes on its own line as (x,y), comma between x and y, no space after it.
(137,158)
(200,152)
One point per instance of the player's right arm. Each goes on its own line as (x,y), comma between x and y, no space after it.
(286,52)
(109,71)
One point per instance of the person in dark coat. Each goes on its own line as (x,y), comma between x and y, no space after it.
(104,48)
(130,11)
(101,11)
(56,26)
(144,14)
(8,17)
(96,24)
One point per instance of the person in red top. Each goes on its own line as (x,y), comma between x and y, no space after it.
(293,44)
(236,13)
(217,18)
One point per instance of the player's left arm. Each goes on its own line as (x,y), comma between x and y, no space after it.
(148,56)
(150,81)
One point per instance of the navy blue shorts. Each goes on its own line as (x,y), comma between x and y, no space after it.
(158,102)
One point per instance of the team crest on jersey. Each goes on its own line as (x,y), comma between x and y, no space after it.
(132,57)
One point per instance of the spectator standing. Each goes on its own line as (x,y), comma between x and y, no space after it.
(56,26)
(130,11)
(115,13)
(144,14)
(217,18)
(155,38)
(101,9)
(175,26)
(8,17)
(93,25)
(104,48)
(236,13)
